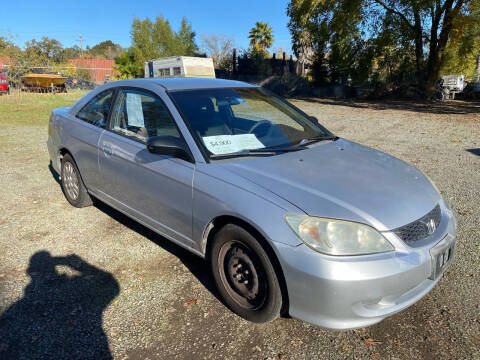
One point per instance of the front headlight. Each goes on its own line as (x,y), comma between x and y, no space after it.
(337,237)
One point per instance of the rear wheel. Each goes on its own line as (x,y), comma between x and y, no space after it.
(244,275)
(72,185)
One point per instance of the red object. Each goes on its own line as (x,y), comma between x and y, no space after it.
(3,83)
(98,68)
(5,61)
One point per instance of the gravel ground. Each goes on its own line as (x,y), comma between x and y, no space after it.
(79,283)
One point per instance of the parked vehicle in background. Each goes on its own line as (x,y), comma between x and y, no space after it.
(472,90)
(4,85)
(292,219)
(180,66)
(452,85)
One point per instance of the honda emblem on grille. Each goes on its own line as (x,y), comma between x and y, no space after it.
(431,226)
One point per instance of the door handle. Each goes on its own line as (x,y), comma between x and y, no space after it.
(107,150)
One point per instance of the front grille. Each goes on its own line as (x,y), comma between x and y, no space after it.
(421,228)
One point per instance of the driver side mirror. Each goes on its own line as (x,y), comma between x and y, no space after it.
(169,145)
(313,119)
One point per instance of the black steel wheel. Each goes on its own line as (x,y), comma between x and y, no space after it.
(244,275)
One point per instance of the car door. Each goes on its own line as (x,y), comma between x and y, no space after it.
(155,189)
(84,130)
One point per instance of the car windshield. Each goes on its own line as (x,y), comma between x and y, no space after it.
(239,120)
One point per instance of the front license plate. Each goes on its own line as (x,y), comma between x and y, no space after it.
(442,255)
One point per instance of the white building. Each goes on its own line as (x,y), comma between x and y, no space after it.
(180,66)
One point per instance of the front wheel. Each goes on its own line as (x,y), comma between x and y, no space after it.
(244,275)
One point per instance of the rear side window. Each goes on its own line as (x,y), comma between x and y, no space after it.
(96,111)
(139,115)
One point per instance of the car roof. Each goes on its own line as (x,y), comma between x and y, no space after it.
(186,83)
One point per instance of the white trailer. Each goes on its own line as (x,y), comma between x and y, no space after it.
(180,66)
(452,85)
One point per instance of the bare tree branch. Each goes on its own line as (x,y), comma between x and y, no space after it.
(396,12)
(218,47)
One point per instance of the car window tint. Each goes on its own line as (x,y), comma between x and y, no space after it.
(258,110)
(140,115)
(96,111)
(227,114)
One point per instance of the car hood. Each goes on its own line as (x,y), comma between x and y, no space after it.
(344,180)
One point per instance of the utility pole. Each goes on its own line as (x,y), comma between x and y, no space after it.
(81,40)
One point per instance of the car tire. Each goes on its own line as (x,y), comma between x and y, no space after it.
(244,275)
(72,184)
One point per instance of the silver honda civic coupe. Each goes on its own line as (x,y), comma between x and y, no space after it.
(292,219)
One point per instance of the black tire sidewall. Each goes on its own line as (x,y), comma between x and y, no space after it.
(272,306)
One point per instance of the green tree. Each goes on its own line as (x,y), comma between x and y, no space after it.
(44,52)
(105,49)
(7,47)
(429,24)
(186,39)
(418,30)
(151,40)
(72,52)
(261,36)
(328,35)
(127,64)
(463,49)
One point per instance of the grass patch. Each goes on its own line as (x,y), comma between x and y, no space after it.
(22,108)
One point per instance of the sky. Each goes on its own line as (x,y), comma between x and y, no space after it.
(111,20)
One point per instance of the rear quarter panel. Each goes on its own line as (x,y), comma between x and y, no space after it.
(80,139)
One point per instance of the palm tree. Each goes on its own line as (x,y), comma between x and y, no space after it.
(261,35)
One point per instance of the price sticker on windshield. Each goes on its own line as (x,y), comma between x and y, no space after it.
(226,144)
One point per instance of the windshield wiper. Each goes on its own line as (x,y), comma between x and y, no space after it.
(307,141)
(256,152)
(280,149)
(301,145)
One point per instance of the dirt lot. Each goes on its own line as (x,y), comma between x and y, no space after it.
(79,283)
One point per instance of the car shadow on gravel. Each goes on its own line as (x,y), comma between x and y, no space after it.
(54,173)
(474,151)
(60,313)
(196,265)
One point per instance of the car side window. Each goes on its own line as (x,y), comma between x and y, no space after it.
(97,109)
(139,115)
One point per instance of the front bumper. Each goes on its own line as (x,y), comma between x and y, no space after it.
(357,291)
